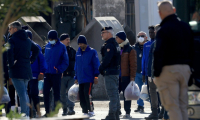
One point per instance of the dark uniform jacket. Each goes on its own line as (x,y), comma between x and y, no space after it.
(174,44)
(19,55)
(128,63)
(110,63)
(71,54)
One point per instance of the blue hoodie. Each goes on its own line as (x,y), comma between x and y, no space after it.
(86,65)
(39,66)
(145,57)
(56,58)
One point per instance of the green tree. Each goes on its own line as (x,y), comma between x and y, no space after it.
(11,10)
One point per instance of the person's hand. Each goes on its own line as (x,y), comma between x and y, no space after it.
(62,75)
(96,80)
(143,79)
(56,69)
(132,79)
(40,76)
(10,82)
(76,81)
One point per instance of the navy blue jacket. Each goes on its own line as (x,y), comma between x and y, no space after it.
(110,63)
(39,66)
(19,55)
(150,60)
(56,58)
(86,65)
(139,52)
(174,44)
(145,57)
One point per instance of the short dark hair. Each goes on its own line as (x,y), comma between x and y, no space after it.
(151,27)
(16,24)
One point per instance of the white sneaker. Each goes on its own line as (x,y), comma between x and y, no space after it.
(91,114)
(25,118)
(86,115)
(127,116)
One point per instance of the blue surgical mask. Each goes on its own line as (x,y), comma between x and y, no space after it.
(52,42)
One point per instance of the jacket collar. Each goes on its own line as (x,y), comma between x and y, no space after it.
(124,43)
(173,16)
(110,40)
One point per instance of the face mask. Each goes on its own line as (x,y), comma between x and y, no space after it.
(52,42)
(140,39)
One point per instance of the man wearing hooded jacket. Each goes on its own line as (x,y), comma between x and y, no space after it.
(57,62)
(128,67)
(86,73)
(38,70)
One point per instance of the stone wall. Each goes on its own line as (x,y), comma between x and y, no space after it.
(114,8)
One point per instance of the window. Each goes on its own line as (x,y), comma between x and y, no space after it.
(130,14)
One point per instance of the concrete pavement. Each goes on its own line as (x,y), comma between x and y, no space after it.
(101,110)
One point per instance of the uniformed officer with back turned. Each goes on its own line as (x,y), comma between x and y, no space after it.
(109,68)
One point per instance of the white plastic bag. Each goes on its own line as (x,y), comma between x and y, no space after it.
(144,93)
(73,93)
(5,98)
(132,91)
(40,86)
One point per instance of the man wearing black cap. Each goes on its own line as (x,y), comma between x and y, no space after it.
(57,62)
(128,67)
(109,68)
(67,81)
(86,74)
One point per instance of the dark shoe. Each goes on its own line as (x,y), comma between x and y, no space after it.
(64,112)
(161,114)
(139,109)
(153,115)
(110,116)
(117,115)
(71,111)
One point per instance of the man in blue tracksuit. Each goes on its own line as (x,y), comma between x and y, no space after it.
(57,62)
(145,57)
(86,73)
(38,70)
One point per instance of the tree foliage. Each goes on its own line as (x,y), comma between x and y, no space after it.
(12,10)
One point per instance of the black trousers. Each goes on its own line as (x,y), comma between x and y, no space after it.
(122,87)
(85,89)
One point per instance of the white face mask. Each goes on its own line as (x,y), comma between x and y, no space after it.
(140,39)
(52,42)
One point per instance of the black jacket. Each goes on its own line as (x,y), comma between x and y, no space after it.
(110,63)
(139,52)
(19,54)
(174,44)
(71,54)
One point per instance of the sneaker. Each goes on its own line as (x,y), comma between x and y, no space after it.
(64,112)
(44,116)
(71,112)
(86,115)
(25,117)
(91,114)
(127,116)
(139,109)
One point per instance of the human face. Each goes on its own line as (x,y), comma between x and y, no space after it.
(142,35)
(151,33)
(66,42)
(82,46)
(104,35)
(12,30)
(119,41)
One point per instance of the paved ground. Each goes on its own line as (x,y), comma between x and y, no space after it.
(101,110)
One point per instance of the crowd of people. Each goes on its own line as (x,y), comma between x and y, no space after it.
(162,62)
